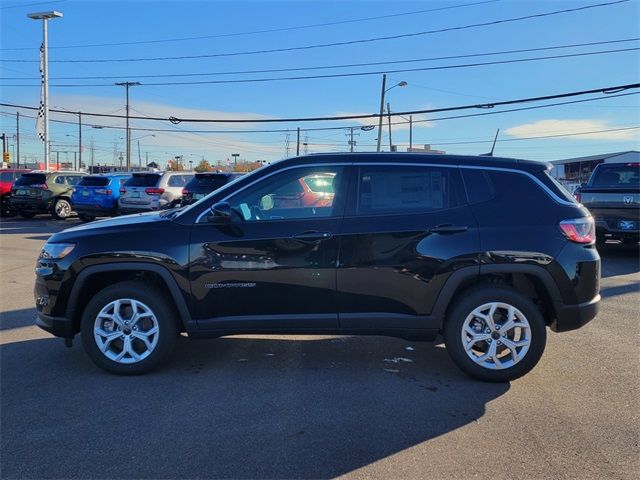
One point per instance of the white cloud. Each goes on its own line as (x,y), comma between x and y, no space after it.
(563,127)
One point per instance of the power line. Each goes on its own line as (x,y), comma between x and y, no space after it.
(350,65)
(272,30)
(434,119)
(342,75)
(338,44)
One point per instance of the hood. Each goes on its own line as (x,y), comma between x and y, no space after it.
(109,225)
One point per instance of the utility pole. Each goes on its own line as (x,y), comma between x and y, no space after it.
(389,118)
(126,86)
(298,144)
(352,142)
(75,161)
(92,155)
(146,155)
(384,84)
(18,139)
(287,145)
(57,161)
(80,137)
(139,159)
(44,62)
(410,132)
(4,147)
(306,145)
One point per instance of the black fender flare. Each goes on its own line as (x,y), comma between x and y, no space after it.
(163,272)
(471,274)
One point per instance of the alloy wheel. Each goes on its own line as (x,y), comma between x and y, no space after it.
(496,335)
(126,331)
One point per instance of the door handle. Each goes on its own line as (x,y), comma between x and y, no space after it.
(448,229)
(312,236)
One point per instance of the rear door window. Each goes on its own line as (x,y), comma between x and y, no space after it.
(396,190)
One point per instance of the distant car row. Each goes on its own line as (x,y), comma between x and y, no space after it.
(27,193)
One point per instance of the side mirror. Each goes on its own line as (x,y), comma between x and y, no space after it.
(221,213)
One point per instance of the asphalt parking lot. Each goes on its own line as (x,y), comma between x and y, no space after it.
(316,407)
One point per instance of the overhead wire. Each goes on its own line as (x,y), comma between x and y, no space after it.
(338,44)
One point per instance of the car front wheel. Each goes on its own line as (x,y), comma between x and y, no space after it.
(128,328)
(495,334)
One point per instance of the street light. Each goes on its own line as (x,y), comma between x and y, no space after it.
(401,84)
(138,140)
(45,17)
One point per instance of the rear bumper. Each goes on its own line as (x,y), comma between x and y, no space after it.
(95,210)
(30,204)
(571,317)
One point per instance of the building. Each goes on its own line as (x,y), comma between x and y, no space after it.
(425,149)
(572,172)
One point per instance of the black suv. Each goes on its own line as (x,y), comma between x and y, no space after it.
(486,251)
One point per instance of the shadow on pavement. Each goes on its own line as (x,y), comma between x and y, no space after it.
(619,260)
(234,407)
(17,318)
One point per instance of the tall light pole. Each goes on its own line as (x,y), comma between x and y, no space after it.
(138,140)
(126,86)
(45,17)
(384,91)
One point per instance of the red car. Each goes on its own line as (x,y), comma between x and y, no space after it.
(7,177)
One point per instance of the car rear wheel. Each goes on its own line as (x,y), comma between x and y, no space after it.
(86,218)
(128,328)
(61,209)
(24,214)
(495,334)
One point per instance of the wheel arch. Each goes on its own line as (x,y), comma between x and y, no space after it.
(94,278)
(531,280)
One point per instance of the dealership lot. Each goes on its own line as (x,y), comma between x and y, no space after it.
(310,407)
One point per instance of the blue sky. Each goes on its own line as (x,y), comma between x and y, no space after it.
(99,22)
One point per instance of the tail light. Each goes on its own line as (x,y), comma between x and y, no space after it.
(123,190)
(579,230)
(102,191)
(185,191)
(154,191)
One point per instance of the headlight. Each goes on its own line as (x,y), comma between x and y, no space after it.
(56,251)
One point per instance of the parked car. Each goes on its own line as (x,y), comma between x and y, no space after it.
(97,195)
(488,252)
(44,192)
(612,195)
(7,177)
(202,184)
(149,191)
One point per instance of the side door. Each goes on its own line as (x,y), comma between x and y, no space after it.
(407,228)
(273,264)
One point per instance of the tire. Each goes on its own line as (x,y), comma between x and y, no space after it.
(86,218)
(527,336)
(27,215)
(6,209)
(61,209)
(126,341)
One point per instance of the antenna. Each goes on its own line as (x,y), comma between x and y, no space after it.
(490,154)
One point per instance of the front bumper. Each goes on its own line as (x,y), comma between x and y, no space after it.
(58,326)
(571,317)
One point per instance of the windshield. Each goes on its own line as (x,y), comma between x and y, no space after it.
(623,175)
(211,182)
(198,204)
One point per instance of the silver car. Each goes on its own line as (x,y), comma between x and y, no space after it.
(148,191)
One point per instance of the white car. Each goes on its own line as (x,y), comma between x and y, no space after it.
(149,191)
